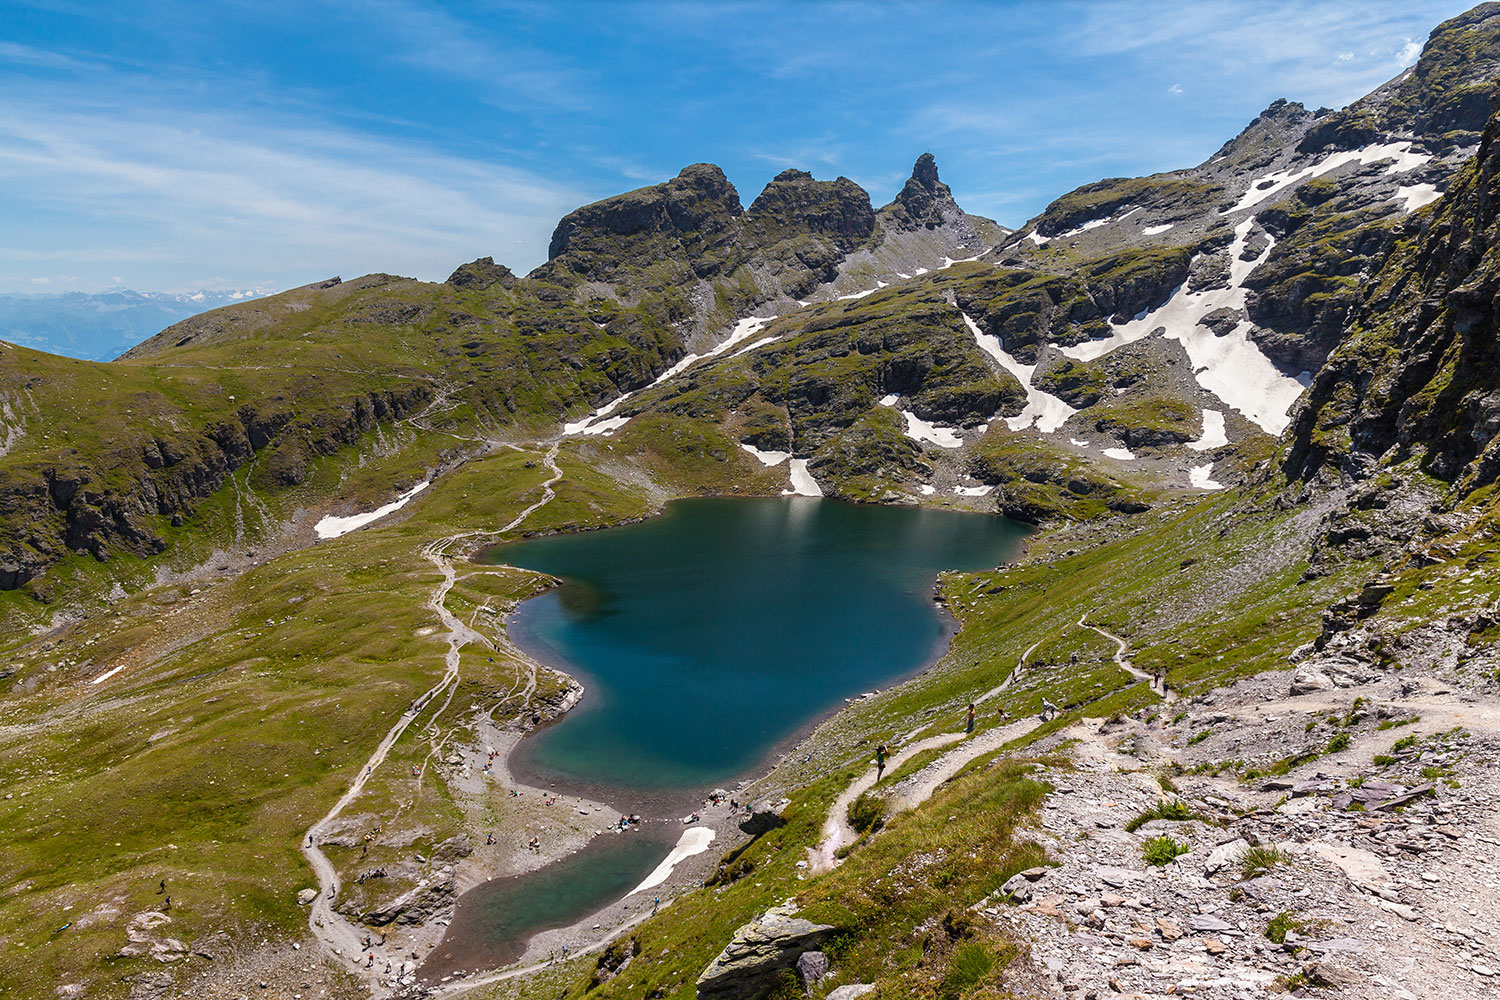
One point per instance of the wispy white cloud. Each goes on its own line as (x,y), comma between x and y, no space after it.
(188,190)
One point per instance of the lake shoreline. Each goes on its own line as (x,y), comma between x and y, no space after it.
(660,808)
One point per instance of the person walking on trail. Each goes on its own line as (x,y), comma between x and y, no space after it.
(1156,678)
(655,905)
(163,890)
(880,753)
(969,725)
(166,904)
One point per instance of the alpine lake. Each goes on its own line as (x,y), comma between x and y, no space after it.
(707,639)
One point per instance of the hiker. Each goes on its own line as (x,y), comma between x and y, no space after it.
(969,725)
(655,905)
(880,753)
(163,889)
(1156,678)
(370,961)
(166,904)
(489,839)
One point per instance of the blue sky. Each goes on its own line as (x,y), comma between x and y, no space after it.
(169,146)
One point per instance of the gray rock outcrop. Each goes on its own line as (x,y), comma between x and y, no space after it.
(759,952)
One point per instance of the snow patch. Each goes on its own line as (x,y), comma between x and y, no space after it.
(927,489)
(803,484)
(107,674)
(1156,230)
(1038,238)
(333,527)
(920,430)
(1077,443)
(1232,367)
(972,491)
(608,426)
(889,400)
(1201,476)
(755,346)
(693,841)
(1213,435)
(1280,180)
(767,458)
(869,291)
(1122,454)
(596,422)
(1043,409)
(1416,196)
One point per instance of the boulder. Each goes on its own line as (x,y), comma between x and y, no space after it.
(812,966)
(1018,887)
(306,896)
(761,821)
(1224,855)
(1307,678)
(451,850)
(750,966)
(852,992)
(417,906)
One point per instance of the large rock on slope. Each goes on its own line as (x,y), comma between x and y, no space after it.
(752,963)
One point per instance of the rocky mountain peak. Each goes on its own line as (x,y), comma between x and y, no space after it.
(481,274)
(1445,99)
(700,199)
(795,200)
(925,172)
(924,200)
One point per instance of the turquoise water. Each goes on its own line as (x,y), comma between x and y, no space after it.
(493,921)
(708,635)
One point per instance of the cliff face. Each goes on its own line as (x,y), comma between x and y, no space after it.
(1419,373)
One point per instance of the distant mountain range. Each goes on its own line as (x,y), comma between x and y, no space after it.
(101,326)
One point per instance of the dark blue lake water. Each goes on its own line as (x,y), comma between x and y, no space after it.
(708,635)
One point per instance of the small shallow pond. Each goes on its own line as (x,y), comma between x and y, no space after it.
(493,921)
(709,635)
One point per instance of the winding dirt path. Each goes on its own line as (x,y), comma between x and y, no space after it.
(1123,660)
(836,829)
(338,935)
(917,788)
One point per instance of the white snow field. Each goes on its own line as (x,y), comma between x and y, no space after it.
(1201,476)
(1231,366)
(767,458)
(920,430)
(333,527)
(803,484)
(1417,196)
(1044,409)
(1280,180)
(694,840)
(1214,435)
